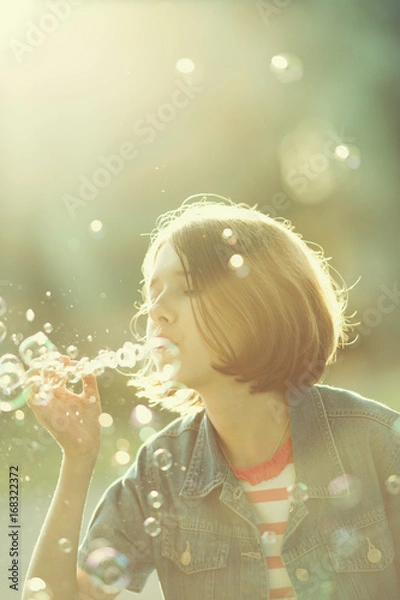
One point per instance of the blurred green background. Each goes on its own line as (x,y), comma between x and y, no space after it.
(292,106)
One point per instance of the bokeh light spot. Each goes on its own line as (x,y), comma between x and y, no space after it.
(143,414)
(96,226)
(122,457)
(185,65)
(106,420)
(236,261)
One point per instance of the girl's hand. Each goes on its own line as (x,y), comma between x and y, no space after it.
(72,419)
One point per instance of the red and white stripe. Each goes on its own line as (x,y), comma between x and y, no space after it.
(270,501)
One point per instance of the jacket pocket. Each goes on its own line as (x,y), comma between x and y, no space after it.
(194,563)
(362,555)
(195,550)
(362,545)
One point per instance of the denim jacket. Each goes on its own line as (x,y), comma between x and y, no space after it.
(342,542)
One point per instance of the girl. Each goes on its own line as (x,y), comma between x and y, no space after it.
(269,484)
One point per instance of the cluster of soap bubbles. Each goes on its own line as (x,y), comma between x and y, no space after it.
(162,459)
(109,568)
(47,369)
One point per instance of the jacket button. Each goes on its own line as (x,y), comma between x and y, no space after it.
(302,574)
(374,555)
(237,493)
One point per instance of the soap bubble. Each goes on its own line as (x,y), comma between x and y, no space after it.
(42,394)
(287,68)
(298,493)
(72,351)
(12,373)
(392,484)
(108,569)
(346,542)
(129,354)
(51,369)
(38,590)
(98,368)
(47,327)
(268,539)
(30,315)
(3,331)
(346,491)
(35,347)
(16,399)
(17,338)
(12,380)
(73,376)
(65,545)
(162,459)
(155,499)
(108,358)
(152,526)
(3,307)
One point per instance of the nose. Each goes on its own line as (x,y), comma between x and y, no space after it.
(160,313)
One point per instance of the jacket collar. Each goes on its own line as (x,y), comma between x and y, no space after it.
(316,458)
(208,467)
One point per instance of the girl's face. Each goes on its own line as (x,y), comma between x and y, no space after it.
(171,316)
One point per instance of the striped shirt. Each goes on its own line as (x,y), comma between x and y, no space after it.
(266,489)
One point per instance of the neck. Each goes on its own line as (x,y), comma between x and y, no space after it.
(250,427)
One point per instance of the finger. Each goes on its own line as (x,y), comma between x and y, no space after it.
(65,395)
(89,386)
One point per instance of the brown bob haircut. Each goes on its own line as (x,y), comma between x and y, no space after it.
(254,276)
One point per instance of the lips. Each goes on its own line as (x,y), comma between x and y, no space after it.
(163,344)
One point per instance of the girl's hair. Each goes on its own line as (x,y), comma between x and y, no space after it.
(259,280)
